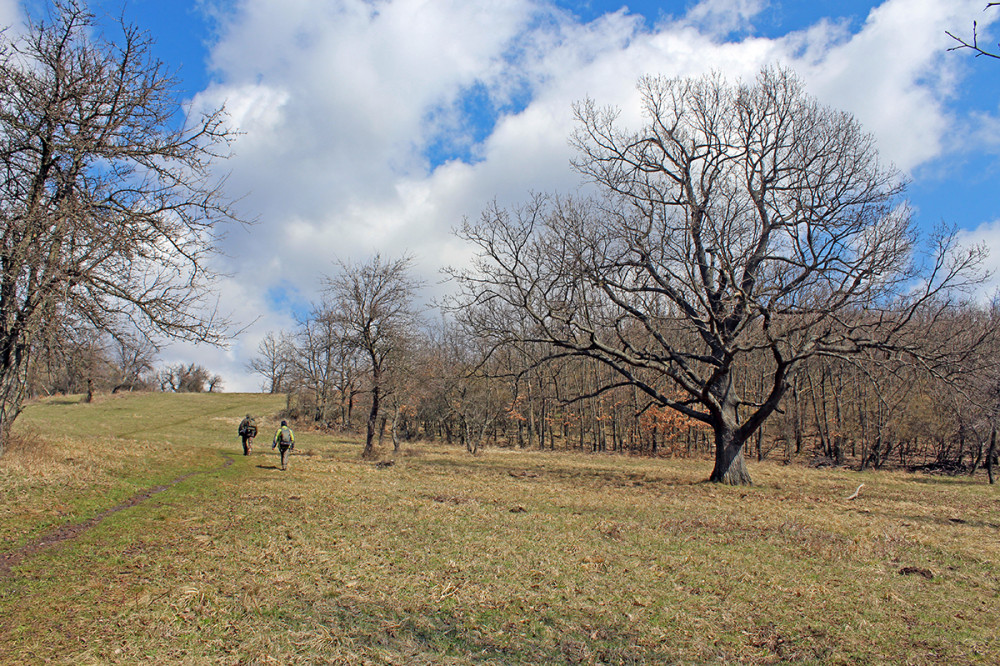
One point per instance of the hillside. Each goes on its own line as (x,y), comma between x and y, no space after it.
(132,530)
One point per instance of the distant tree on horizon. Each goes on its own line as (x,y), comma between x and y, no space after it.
(273,362)
(191,378)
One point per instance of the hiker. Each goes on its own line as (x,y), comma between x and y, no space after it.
(284,439)
(247,431)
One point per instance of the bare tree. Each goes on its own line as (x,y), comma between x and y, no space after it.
(740,224)
(374,303)
(106,196)
(470,399)
(322,358)
(214,383)
(191,378)
(133,360)
(70,357)
(973,44)
(274,361)
(976,403)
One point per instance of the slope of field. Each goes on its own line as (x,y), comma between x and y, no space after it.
(134,531)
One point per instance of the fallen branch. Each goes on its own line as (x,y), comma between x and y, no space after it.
(856,493)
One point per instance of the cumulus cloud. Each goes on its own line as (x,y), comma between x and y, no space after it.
(894,75)
(986,235)
(379,126)
(723,17)
(10,14)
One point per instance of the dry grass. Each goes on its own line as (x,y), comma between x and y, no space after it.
(508,557)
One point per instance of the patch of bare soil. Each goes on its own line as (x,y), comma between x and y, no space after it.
(66,532)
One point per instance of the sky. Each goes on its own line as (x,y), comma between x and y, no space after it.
(377,126)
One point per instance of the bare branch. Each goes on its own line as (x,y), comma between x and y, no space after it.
(973,45)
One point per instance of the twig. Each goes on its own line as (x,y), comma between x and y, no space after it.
(856,493)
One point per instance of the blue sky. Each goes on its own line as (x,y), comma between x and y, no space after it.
(376,126)
(956,188)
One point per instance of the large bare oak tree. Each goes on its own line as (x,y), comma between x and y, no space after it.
(739,224)
(107,202)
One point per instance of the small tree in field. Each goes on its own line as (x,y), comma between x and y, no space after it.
(106,200)
(739,225)
(374,305)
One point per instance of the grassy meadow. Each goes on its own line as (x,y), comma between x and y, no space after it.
(187,552)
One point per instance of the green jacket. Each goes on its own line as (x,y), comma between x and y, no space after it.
(284,437)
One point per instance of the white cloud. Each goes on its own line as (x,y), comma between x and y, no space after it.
(895,76)
(982,131)
(988,236)
(722,17)
(10,15)
(257,111)
(251,316)
(340,98)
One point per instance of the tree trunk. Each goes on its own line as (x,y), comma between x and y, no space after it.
(838,437)
(991,455)
(531,419)
(730,466)
(979,456)
(13,370)
(395,435)
(372,420)
(541,427)
(471,442)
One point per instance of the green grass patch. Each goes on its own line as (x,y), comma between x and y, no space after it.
(445,558)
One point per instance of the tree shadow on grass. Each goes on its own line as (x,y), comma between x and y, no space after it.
(568,472)
(64,401)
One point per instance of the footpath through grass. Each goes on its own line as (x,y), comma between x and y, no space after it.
(443,558)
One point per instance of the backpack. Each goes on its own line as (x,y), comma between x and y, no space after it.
(247,428)
(284,436)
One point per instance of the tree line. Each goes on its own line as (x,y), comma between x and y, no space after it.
(743,271)
(442,384)
(89,362)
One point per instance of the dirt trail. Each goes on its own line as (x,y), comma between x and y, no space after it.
(10,560)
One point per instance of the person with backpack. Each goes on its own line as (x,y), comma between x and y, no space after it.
(247,431)
(284,439)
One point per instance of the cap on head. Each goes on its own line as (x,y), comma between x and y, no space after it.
(284,423)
